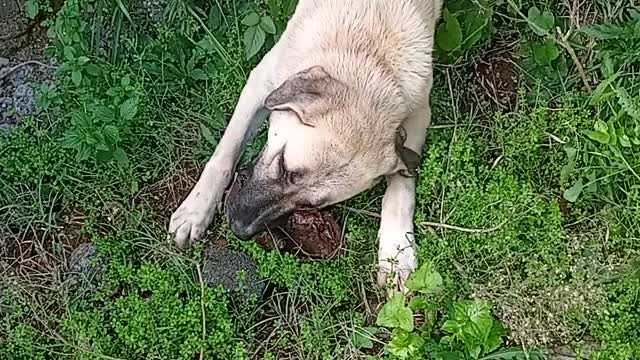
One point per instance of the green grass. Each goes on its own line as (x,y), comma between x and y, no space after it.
(143,95)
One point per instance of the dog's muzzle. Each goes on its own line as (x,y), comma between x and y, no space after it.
(252,205)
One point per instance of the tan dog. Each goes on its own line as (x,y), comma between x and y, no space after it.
(347,83)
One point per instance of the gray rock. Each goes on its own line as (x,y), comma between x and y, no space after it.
(84,268)
(3,62)
(5,102)
(223,266)
(23,100)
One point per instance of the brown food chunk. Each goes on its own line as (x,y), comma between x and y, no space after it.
(311,233)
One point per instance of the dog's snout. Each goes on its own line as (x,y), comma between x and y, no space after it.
(241,230)
(242,206)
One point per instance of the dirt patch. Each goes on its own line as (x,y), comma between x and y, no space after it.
(36,256)
(565,206)
(498,79)
(557,310)
(484,82)
(164,196)
(15,29)
(310,233)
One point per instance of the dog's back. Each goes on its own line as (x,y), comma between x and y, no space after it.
(379,39)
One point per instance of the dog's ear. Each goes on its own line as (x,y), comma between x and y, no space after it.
(409,158)
(305,92)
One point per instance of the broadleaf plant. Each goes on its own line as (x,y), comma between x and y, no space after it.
(425,280)
(468,332)
(395,314)
(258,29)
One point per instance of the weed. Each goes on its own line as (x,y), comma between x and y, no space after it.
(464,25)
(468,331)
(145,317)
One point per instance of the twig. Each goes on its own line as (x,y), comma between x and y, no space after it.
(562,40)
(444,126)
(204,317)
(30,62)
(359,211)
(462,229)
(428,223)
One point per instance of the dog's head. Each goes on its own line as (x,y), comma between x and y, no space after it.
(326,143)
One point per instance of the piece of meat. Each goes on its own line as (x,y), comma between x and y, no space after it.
(311,233)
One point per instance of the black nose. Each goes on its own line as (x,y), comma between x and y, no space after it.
(239,204)
(242,231)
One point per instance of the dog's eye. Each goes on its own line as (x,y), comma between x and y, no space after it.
(289,176)
(283,167)
(294,176)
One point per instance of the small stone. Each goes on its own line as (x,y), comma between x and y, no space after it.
(84,269)
(3,62)
(23,100)
(234,270)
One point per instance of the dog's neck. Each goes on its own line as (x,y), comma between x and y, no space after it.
(371,77)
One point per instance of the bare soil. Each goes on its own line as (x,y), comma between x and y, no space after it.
(23,64)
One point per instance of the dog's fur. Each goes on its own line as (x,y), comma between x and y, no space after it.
(347,83)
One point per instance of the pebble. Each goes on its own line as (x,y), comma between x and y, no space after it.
(3,62)
(222,267)
(23,99)
(84,269)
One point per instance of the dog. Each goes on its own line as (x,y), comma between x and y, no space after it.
(346,90)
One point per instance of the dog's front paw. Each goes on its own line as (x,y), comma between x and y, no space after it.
(396,261)
(190,222)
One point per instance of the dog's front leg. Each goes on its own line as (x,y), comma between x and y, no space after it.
(397,249)
(190,221)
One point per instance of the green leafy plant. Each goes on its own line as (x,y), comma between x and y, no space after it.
(48,96)
(68,30)
(425,280)
(618,45)
(395,314)
(90,139)
(545,60)
(258,27)
(469,331)
(464,25)
(78,68)
(31,8)
(544,53)
(471,323)
(609,151)
(99,129)
(541,22)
